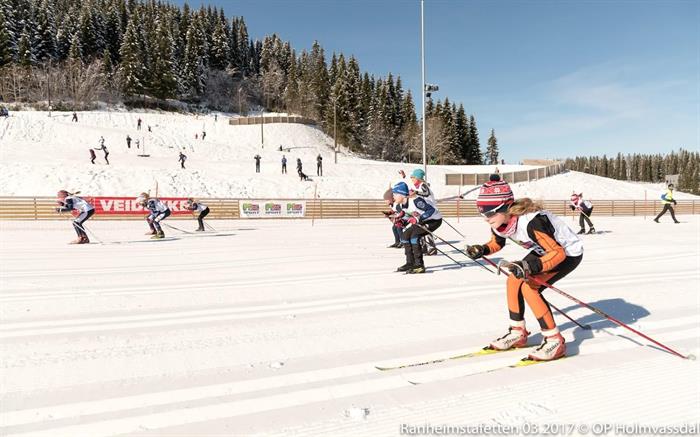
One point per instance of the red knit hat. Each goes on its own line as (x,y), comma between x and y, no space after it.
(494,195)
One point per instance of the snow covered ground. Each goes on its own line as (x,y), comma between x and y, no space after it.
(41,154)
(274,327)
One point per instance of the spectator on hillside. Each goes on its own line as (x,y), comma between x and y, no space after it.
(280,149)
(138,144)
(138,124)
(149,128)
(319,165)
(5,113)
(75,117)
(182,159)
(128,141)
(284,164)
(104,149)
(204,135)
(299,165)
(92,156)
(257,163)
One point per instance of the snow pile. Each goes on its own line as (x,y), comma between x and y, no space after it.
(40,154)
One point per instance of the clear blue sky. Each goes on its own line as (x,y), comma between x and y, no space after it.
(553,78)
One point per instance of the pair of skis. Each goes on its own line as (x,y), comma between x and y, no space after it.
(524,362)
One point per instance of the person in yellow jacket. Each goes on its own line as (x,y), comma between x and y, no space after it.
(668,200)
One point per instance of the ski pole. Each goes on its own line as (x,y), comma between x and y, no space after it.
(500,270)
(602,314)
(177,229)
(82,228)
(455,229)
(451,245)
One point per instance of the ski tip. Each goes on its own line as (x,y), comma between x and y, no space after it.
(691,357)
(382,369)
(414,382)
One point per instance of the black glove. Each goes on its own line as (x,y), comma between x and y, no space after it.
(58,209)
(674,202)
(519,269)
(475,251)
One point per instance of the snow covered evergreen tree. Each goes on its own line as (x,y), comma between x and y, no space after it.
(492,149)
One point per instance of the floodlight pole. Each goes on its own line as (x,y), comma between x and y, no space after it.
(422,60)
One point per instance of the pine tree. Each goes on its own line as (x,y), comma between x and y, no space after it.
(25,54)
(492,149)
(164,85)
(219,53)
(131,67)
(6,43)
(45,33)
(475,155)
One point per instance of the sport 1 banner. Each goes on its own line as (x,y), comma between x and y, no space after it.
(271,208)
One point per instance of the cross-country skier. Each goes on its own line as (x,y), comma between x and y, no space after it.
(69,202)
(201,208)
(585,207)
(554,252)
(419,214)
(668,200)
(422,189)
(391,215)
(158,212)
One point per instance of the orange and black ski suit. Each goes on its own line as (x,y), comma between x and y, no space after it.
(555,251)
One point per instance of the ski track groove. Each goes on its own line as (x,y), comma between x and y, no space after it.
(336,387)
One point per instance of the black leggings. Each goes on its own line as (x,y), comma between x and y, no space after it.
(585,215)
(667,207)
(80,220)
(201,216)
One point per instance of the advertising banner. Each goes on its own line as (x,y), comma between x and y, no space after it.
(128,205)
(272,208)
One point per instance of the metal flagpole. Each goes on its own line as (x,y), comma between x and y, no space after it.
(422,60)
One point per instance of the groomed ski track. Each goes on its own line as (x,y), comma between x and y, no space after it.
(275,327)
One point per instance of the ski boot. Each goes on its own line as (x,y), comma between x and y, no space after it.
(159,235)
(432,251)
(78,240)
(395,245)
(515,337)
(553,346)
(416,270)
(153,232)
(591,231)
(656,220)
(582,231)
(406,267)
(84,240)
(199,230)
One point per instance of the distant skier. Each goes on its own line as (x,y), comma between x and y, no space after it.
(92,156)
(138,144)
(128,141)
(284,164)
(257,159)
(138,124)
(319,165)
(201,208)
(668,199)
(585,207)
(69,202)
(149,128)
(182,159)
(299,166)
(415,215)
(158,212)
(422,189)
(554,252)
(75,117)
(204,135)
